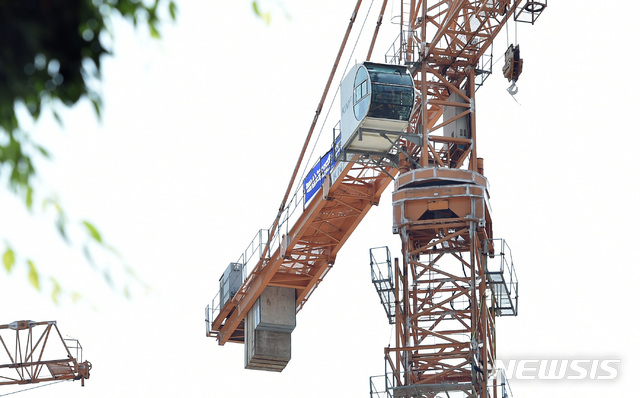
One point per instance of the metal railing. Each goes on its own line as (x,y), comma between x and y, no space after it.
(253,251)
(377,256)
(73,345)
(385,386)
(400,48)
(381,386)
(383,282)
(498,385)
(501,274)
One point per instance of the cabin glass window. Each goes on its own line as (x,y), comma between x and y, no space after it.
(391,102)
(361,98)
(392,93)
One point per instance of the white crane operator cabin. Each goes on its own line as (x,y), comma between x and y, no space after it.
(376,104)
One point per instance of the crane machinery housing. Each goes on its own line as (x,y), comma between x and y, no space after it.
(410,119)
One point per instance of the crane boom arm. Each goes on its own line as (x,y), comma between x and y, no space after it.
(442,63)
(308,250)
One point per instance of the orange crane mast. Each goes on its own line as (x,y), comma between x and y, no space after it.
(454,277)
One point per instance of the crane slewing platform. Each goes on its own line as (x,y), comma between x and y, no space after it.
(407,119)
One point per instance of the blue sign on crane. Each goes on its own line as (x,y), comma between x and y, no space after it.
(313,180)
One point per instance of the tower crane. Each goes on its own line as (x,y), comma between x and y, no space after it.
(410,119)
(34,352)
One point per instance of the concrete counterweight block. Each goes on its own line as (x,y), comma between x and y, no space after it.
(265,350)
(268,328)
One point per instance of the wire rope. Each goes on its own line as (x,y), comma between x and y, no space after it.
(32,388)
(324,122)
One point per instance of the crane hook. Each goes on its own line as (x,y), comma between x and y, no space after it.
(513,90)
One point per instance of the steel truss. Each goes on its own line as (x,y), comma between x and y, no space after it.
(445,323)
(445,309)
(34,352)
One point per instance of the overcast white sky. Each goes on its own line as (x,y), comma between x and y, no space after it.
(199,136)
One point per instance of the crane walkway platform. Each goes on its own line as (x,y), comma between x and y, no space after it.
(380,259)
(501,277)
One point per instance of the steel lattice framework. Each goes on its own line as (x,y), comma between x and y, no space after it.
(445,306)
(446,300)
(34,352)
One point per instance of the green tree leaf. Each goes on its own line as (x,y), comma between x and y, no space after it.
(93,231)
(265,16)
(51,55)
(34,276)
(153,30)
(28,200)
(173,9)
(97,106)
(9,259)
(56,291)
(75,297)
